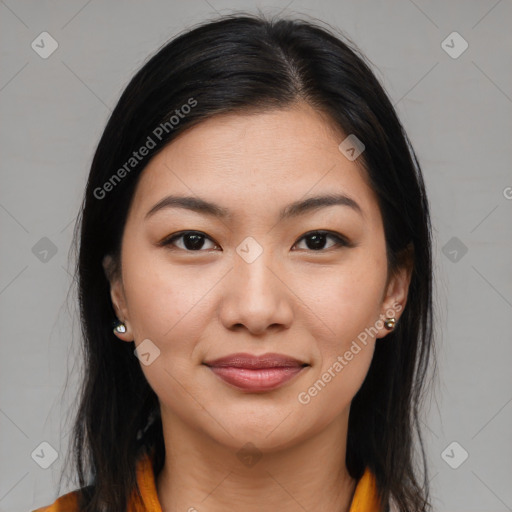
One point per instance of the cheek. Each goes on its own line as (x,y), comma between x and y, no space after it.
(168,307)
(344,346)
(161,298)
(347,300)
(332,389)
(346,306)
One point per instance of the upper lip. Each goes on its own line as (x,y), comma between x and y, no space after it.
(244,360)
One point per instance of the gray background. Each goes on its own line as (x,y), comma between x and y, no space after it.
(457,112)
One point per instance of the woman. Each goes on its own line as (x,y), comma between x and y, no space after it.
(256,226)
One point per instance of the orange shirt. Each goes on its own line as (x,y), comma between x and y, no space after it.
(365,496)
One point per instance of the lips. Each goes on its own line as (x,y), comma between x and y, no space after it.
(256,373)
(251,362)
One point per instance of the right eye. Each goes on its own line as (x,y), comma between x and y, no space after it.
(193,241)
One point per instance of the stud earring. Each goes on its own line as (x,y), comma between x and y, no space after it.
(120,328)
(390,323)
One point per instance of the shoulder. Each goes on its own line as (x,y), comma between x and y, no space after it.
(145,478)
(66,503)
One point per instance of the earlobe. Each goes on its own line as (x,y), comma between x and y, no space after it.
(120,327)
(395,299)
(122,331)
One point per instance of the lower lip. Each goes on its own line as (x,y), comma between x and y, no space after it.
(263,379)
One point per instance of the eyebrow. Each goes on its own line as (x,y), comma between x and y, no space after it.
(294,209)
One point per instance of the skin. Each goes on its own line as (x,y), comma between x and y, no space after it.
(196,305)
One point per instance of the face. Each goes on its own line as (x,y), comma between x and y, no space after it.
(311,284)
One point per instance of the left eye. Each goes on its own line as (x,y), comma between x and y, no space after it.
(318,240)
(193,241)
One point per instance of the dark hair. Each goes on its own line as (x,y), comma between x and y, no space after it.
(247,63)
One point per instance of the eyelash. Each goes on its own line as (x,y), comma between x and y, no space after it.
(340,241)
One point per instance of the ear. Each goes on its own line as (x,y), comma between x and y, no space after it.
(397,288)
(117,296)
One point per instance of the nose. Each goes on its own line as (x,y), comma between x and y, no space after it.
(256,296)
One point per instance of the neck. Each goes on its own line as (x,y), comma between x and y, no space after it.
(201,474)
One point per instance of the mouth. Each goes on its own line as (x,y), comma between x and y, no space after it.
(253,362)
(251,373)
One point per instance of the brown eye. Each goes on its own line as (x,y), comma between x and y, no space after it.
(193,241)
(315,240)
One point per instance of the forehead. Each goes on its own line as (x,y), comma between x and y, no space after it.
(260,139)
(251,160)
